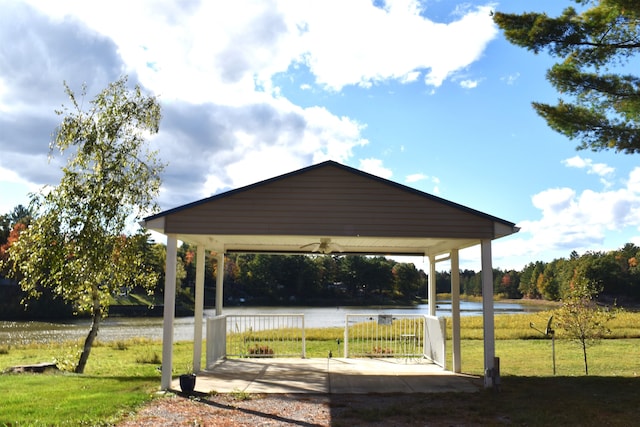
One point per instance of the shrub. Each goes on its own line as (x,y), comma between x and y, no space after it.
(149,358)
(260,350)
(119,345)
(382,351)
(66,359)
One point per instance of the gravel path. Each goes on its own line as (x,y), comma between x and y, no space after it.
(230,410)
(306,410)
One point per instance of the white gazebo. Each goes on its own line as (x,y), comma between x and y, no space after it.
(315,208)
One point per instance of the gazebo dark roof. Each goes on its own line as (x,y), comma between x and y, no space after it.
(350,210)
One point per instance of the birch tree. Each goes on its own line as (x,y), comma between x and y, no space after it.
(78,245)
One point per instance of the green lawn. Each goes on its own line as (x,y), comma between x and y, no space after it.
(66,399)
(119,377)
(611,357)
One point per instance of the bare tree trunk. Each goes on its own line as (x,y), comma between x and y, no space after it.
(584,352)
(96,317)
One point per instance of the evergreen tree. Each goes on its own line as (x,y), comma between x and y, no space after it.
(600,104)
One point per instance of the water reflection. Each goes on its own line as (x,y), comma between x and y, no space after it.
(123,328)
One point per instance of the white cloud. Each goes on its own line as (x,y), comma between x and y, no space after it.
(469,84)
(510,79)
(633,183)
(410,77)
(467,37)
(575,221)
(10,177)
(603,170)
(240,145)
(592,168)
(255,166)
(220,50)
(553,200)
(3,92)
(213,64)
(13,188)
(324,137)
(419,177)
(436,185)
(416,177)
(375,167)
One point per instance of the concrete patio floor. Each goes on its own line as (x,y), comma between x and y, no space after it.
(330,376)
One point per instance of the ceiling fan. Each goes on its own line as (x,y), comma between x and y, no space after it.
(324,246)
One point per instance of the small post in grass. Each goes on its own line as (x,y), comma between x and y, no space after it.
(549,332)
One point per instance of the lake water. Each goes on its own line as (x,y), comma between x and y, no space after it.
(123,328)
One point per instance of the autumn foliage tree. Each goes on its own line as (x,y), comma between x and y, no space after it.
(19,214)
(78,246)
(14,234)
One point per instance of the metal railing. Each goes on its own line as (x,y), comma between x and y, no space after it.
(384,335)
(265,335)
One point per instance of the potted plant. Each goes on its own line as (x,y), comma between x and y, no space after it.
(188,381)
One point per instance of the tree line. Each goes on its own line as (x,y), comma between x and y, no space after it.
(353,279)
(306,279)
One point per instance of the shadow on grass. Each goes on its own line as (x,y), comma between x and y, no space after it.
(531,401)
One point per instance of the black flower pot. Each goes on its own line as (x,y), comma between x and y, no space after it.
(187,383)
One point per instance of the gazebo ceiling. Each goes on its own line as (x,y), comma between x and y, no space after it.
(329,208)
(341,245)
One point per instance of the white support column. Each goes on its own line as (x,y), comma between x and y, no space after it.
(220,283)
(199,309)
(432,285)
(455,311)
(169,310)
(487,312)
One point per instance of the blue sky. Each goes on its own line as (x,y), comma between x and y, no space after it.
(425,93)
